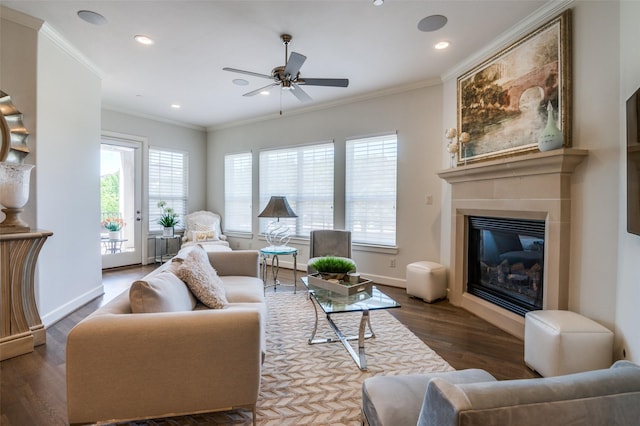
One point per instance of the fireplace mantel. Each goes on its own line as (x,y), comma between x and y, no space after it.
(532,186)
(557,161)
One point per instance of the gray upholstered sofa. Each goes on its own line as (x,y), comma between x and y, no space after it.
(473,397)
(181,358)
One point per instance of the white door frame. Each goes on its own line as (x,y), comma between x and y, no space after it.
(139,256)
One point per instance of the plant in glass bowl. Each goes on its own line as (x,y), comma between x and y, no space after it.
(331,267)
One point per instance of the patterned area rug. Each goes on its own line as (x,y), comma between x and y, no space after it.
(320,384)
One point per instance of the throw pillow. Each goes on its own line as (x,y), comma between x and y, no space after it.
(162,292)
(202,279)
(208,235)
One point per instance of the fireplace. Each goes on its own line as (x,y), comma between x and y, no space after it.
(531,187)
(505,260)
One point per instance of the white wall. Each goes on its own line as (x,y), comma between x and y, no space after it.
(415,114)
(628,291)
(64,123)
(68,177)
(167,135)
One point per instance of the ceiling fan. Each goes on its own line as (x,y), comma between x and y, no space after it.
(288,76)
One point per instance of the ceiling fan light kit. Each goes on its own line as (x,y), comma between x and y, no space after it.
(288,76)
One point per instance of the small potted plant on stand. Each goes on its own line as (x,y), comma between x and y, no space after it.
(168,219)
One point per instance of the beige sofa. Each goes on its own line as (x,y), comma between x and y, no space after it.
(123,365)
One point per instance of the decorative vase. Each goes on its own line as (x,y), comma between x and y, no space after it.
(551,137)
(167,231)
(14,194)
(114,235)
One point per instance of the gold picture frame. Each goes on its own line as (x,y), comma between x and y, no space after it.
(502,103)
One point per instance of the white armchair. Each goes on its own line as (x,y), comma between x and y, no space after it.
(203,227)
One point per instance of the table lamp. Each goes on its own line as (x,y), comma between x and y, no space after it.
(278,234)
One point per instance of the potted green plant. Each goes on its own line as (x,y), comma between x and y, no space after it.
(331,267)
(168,219)
(113,225)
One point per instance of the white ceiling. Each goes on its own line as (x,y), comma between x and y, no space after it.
(376,48)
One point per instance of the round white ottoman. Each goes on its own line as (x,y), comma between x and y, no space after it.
(427,280)
(564,342)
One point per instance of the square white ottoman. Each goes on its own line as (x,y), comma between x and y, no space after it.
(564,342)
(427,280)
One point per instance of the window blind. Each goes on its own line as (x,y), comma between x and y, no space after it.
(304,175)
(168,171)
(370,189)
(238,192)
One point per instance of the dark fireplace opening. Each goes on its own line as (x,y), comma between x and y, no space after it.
(506,262)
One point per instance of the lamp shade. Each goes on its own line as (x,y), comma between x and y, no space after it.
(278,206)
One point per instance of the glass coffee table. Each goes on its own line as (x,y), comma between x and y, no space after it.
(333,303)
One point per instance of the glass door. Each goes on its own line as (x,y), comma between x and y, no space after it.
(120,202)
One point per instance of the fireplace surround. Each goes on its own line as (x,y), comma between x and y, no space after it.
(534,186)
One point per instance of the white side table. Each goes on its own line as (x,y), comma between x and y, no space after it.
(273,252)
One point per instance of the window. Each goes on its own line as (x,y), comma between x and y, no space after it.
(370,189)
(168,171)
(237,192)
(304,175)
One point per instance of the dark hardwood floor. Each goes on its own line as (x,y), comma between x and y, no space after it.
(33,389)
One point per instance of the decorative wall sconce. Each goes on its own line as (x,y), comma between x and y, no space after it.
(454,145)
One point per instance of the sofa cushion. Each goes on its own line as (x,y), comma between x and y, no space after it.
(163,292)
(202,279)
(241,289)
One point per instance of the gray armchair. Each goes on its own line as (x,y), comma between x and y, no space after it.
(329,242)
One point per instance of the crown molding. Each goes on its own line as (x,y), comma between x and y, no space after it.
(541,16)
(153,117)
(57,39)
(345,101)
(20,18)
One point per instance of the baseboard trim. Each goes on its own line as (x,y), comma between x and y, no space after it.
(64,310)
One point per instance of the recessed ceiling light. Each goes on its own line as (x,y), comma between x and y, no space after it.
(442,45)
(240,82)
(175,106)
(378,2)
(264,92)
(432,23)
(143,39)
(92,17)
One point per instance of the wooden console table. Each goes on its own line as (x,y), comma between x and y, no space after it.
(20,325)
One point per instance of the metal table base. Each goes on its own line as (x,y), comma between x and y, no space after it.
(365,321)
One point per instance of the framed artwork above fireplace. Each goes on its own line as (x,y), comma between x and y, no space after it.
(502,103)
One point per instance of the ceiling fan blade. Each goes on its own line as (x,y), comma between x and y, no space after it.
(262,89)
(334,82)
(300,94)
(294,64)
(255,74)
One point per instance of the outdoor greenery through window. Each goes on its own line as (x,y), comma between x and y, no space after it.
(303,174)
(238,192)
(370,189)
(168,171)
